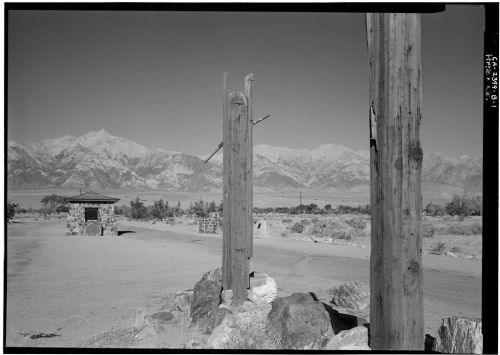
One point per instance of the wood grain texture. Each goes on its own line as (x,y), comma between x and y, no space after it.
(249,97)
(235,231)
(396,280)
(226,241)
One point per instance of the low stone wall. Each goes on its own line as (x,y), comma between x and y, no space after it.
(105,224)
(210,225)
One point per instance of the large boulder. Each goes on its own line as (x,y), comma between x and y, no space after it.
(183,301)
(263,288)
(459,335)
(221,336)
(216,318)
(352,339)
(299,322)
(352,295)
(206,296)
(242,328)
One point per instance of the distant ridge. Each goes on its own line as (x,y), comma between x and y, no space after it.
(99,159)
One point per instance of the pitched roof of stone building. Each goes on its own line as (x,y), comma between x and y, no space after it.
(91,197)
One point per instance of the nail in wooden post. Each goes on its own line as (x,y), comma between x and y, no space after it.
(236,160)
(396,282)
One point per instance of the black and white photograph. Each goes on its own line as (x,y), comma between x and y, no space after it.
(274,176)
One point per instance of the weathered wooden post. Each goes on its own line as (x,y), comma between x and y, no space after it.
(396,283)
(238,223)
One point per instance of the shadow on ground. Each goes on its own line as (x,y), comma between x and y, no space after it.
(125,232)
(341,321)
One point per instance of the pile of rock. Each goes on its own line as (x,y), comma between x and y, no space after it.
(353,295)
(209,225)
(266,321)
(457,335)
(300,321)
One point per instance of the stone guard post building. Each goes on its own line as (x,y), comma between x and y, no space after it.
(92,214)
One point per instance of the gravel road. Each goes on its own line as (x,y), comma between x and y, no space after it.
(64,290)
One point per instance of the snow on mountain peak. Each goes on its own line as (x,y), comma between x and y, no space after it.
(54,146)
(101,141)
(98,157)
(102,133)
(329,152)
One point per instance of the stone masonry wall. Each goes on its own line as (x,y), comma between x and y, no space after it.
(210,225)
(105,218)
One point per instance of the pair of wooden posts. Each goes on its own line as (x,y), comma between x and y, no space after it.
(396,284)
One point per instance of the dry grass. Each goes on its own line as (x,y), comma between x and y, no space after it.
(460,237)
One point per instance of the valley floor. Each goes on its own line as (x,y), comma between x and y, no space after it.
(68,290)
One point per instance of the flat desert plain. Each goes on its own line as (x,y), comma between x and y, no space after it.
(74,291)
(30,198)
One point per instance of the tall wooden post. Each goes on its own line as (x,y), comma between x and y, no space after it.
(396,283)
(249,97)
(237,191)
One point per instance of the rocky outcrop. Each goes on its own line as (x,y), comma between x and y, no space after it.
(242,328)
(352,339)
(299,322)
(183,301)
(222,334)
(459,335)
(206,297)
(352,295)
(216,318)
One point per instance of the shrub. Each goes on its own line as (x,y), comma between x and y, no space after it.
(322,228)
(259,210)
(437,248)
(456,250)
(476,228)
(160,209)
(305,222)
(341,235)
(356,223)
(53,203)
(286,220)
(297,228)
(212,207)
(137,209)
(11,210)
(433,209)
(121,210)
(428,231)
(459,229)
(464,206)
(284,235)
(282,210)
(342,209)
(199,209)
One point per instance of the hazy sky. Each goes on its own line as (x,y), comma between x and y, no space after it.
(156,77)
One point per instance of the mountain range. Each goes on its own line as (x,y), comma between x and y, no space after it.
(101,160)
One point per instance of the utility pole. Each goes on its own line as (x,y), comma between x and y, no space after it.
(237,190)
(300,198)
(396,280)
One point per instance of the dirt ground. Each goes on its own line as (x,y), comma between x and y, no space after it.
(70,290)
